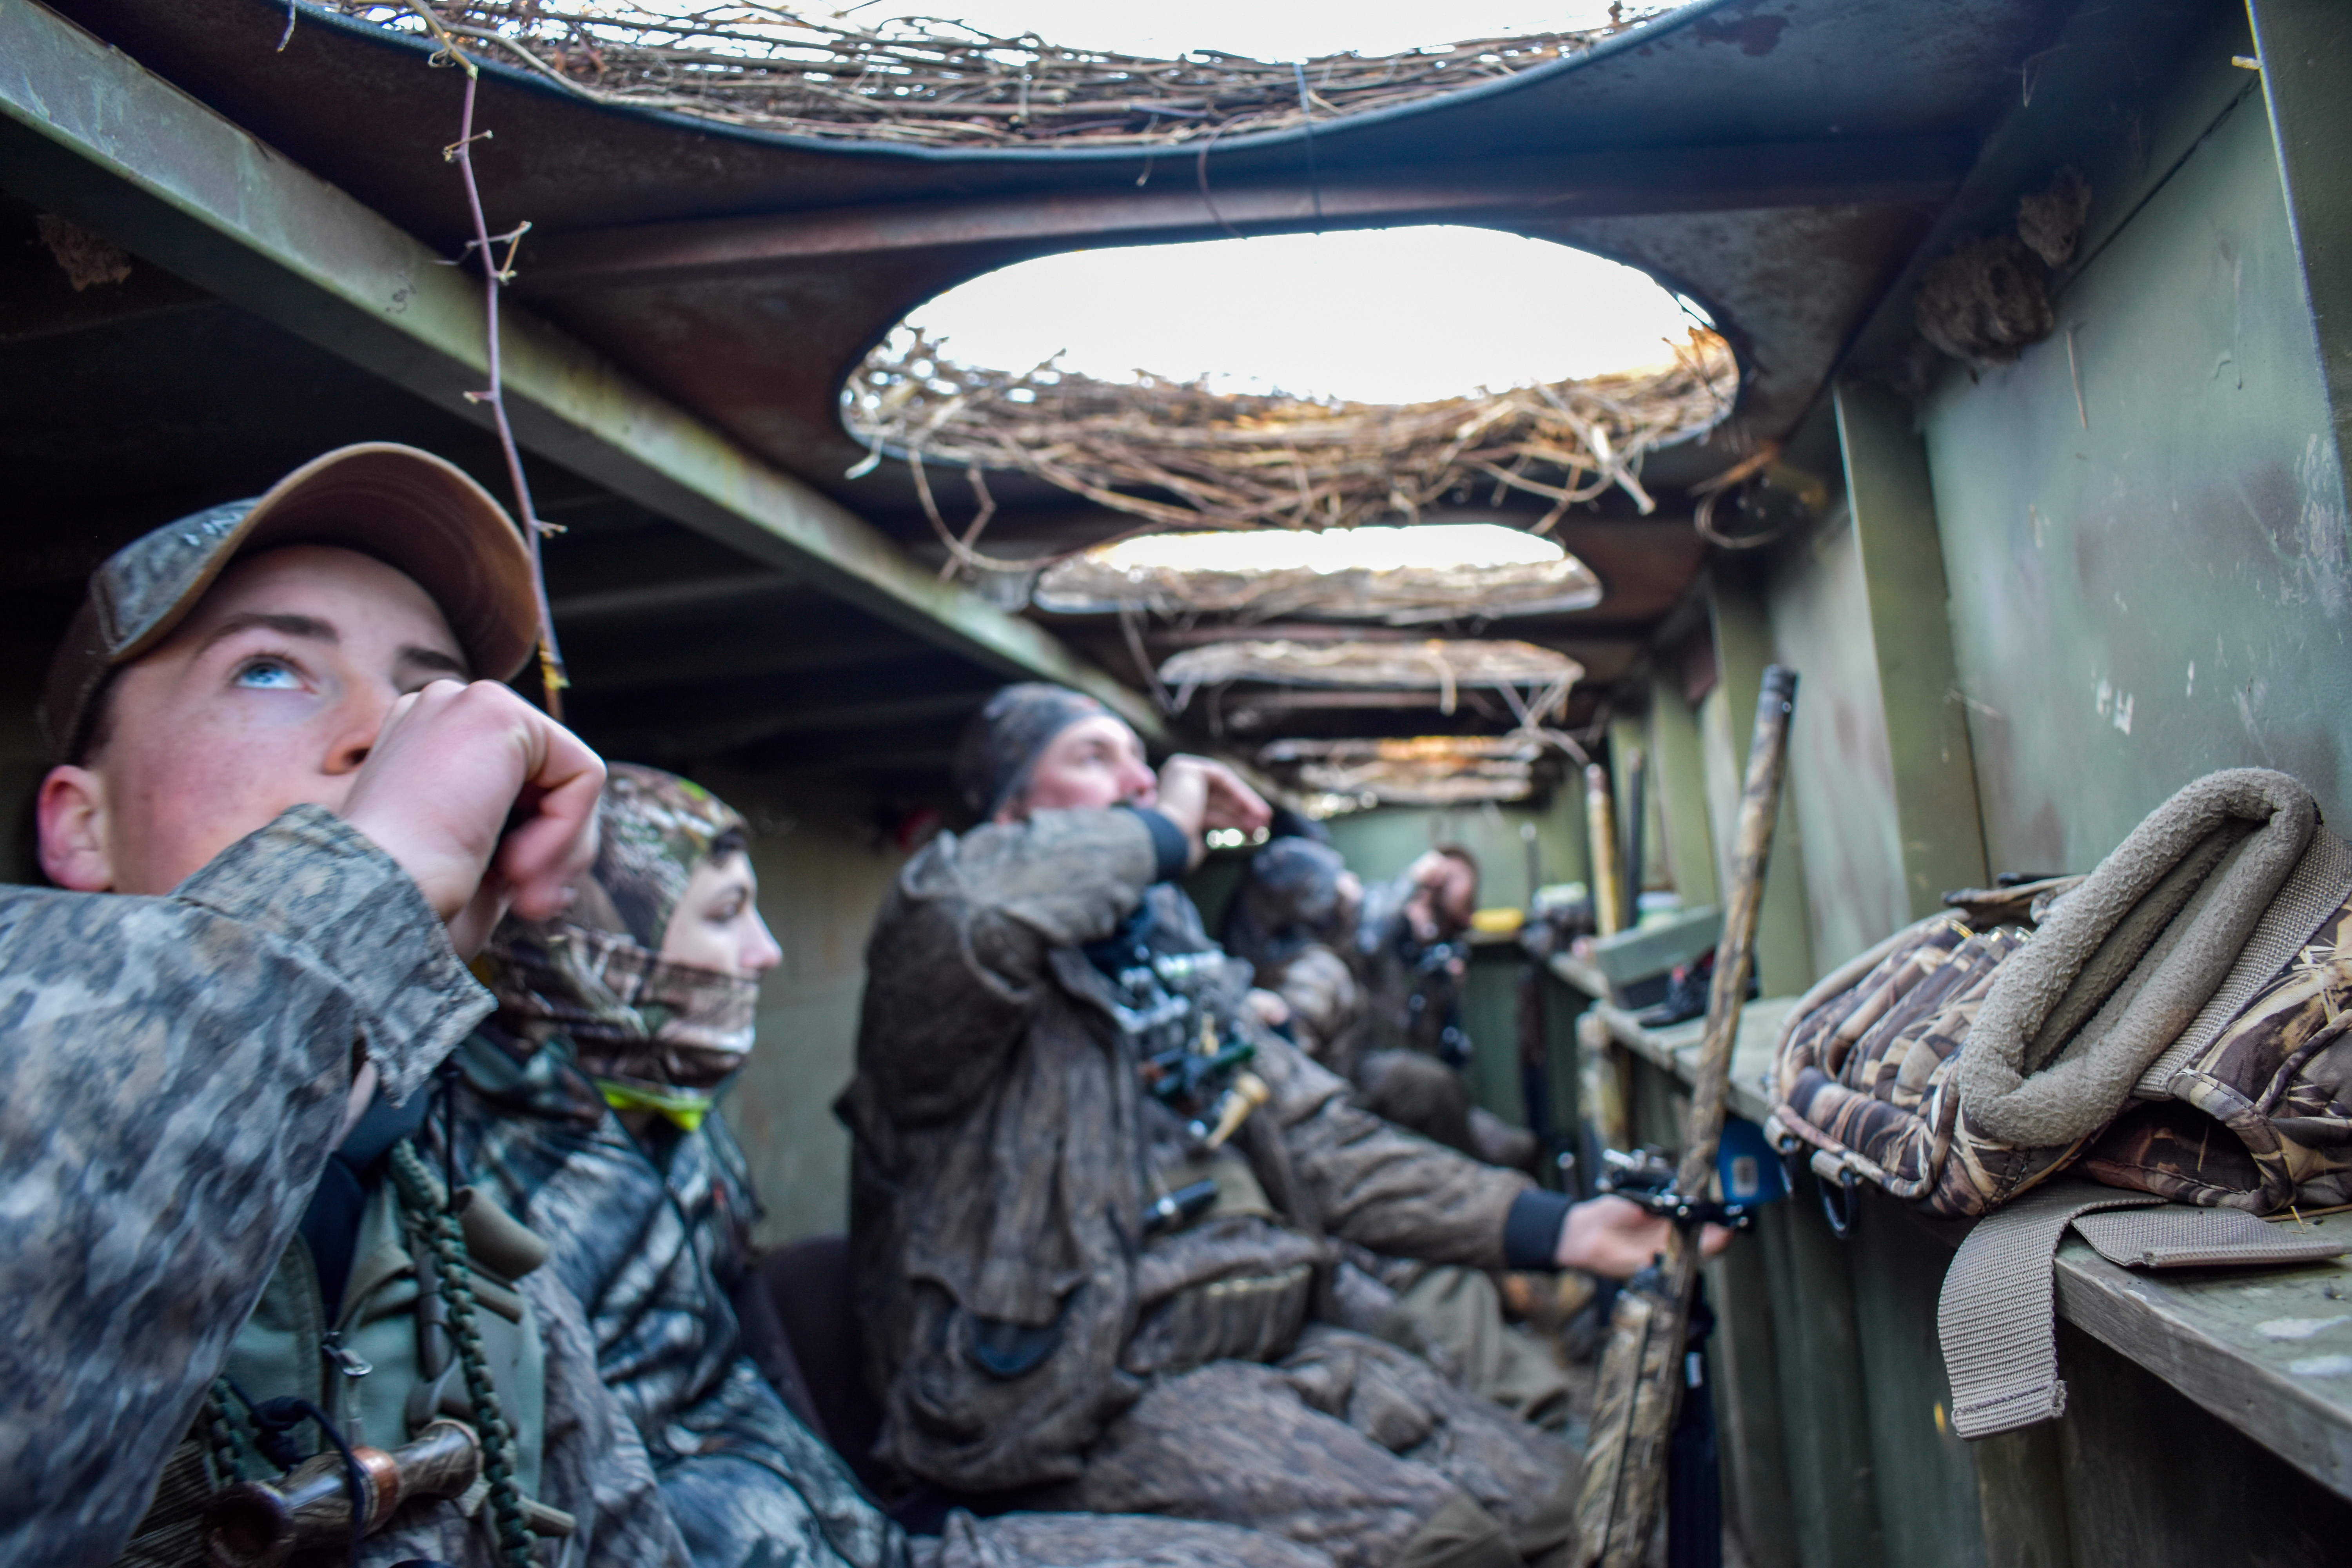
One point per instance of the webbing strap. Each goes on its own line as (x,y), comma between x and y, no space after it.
(2177,1237)
(1997,1314)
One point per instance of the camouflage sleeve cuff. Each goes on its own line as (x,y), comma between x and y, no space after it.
(319,885)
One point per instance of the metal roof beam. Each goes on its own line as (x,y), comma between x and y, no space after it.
(1593,185)
(86,133)
(754,725)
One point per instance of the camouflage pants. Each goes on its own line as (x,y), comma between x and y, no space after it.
(1096,1540)
(1347,1444)
(1454,1315)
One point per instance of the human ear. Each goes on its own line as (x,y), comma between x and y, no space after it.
(72,815)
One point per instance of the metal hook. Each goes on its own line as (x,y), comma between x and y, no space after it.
(1838,1204)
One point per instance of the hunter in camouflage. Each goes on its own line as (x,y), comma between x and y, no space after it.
(1293,916)
(1034,1321)
(279,821)
(1406,1056)
(588,1112)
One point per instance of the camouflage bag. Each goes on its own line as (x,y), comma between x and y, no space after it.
(1865,1073)
(2260,1119)
(2172,1025)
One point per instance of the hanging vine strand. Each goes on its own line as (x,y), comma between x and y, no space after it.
(496,272)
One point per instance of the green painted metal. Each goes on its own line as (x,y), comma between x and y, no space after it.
(1833,1481)
(2152,1481)
(1893,505)
(2306,50)
(1679,786)
(2156,583)
(88,133)
(2021,1499)
(1842,775)
(1749,1407)
(1928,1483)
(1381,843)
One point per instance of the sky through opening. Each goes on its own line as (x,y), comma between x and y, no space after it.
(1401,315)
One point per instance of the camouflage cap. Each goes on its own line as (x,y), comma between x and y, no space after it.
(656,829)
(406,508)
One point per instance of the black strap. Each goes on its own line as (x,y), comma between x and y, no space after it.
(331,1224)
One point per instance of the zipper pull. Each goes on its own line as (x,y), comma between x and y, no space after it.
(346,1361)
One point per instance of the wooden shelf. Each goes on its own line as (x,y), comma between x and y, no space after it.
(2269,1351)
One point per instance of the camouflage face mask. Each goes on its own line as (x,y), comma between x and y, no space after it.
(651,1033)
(655,830)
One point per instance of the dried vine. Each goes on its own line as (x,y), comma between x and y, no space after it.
(496,274)
(933,81)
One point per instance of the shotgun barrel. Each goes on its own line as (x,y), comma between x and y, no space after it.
(1642,1370)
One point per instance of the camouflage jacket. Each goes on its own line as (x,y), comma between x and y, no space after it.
(1002,1157)
(1410,996)
(1327,1007)
(173,1072)
(592,1466)
(654,1252)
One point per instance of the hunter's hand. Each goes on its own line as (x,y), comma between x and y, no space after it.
(1197,793)
(447,771)
(1616,1239)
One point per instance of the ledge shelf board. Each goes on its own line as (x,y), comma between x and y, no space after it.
(2268,1350)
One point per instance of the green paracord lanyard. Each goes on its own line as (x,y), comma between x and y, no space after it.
(430,1214)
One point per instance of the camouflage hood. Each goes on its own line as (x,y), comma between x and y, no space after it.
(649,1031)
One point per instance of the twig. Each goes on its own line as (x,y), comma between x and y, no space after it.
(1132,632)
(1201,177)
(552,675)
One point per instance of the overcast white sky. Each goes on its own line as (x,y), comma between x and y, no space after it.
(1387,316)
(1263,29)
(1372,316)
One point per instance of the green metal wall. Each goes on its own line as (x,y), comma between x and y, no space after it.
(824,873)
(1380,843)
(2137,588)
(2155,585)
(1841,772)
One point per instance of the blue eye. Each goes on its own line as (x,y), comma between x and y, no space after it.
(268,675)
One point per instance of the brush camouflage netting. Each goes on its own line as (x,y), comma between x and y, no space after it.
(1437,662)
(1423,769)
(1535,681)
(1246,460)
(938,82)
(1399,596)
